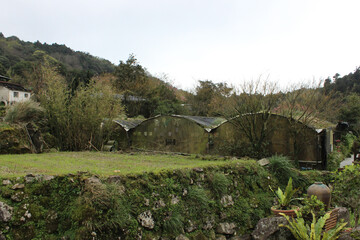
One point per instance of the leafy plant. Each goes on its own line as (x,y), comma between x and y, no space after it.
(303,231)
(347,189)
(312,205)
(334,160)
(284,198)
(347,142)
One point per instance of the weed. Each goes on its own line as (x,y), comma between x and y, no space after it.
(219,184)
(173,224)
(283,169)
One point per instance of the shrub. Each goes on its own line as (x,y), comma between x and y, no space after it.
(347,143)
(312,205)
(77,119)
(347,189)
(28,111)
(334,160)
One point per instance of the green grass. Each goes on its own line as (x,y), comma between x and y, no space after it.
(99,163)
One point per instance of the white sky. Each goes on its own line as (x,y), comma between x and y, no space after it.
(189,40)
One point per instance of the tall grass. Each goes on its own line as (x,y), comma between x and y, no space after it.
(28,111)
(282,169)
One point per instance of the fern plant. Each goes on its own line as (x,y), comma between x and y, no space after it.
(284,198)
(302,231)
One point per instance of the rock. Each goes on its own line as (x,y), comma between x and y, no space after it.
(2,237)
(18,197)
(159,204)
(18,186)
(5,212)
(226,228)
(199,170)
(227,201)
(202,177)
(263,162)
(181,237)
(93,180)
(344,214)
(146,220)
(6,182)
(147,202)
(191,227)
(268,228)
(27,214)
(29,178)
(47,177)
(175,200)
(114,179)
(223,215)
(209,224)
(185,192)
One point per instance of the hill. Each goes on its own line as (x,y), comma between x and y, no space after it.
(17,55)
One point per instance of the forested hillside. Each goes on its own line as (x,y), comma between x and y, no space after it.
(16,56)
(345,84)
(29,63)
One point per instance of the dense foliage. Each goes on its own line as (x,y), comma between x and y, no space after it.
(17,57)
(77,120)
(347,189)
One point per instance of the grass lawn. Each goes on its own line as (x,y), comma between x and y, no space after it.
(99,163)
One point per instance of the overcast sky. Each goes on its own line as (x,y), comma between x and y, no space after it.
(189,40)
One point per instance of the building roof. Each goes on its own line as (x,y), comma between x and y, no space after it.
(128,124)
(206,122)
(13,86)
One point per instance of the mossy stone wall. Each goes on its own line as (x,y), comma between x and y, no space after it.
(199,203)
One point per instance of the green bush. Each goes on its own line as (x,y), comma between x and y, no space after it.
(312,205)
(333,161)
(346,145)
(347,189)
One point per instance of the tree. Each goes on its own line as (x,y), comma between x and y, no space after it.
(350,112)
(209,98)
(307,105)
(250,113)
(79,120)
(131,77)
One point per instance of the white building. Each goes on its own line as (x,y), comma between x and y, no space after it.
(11,93)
